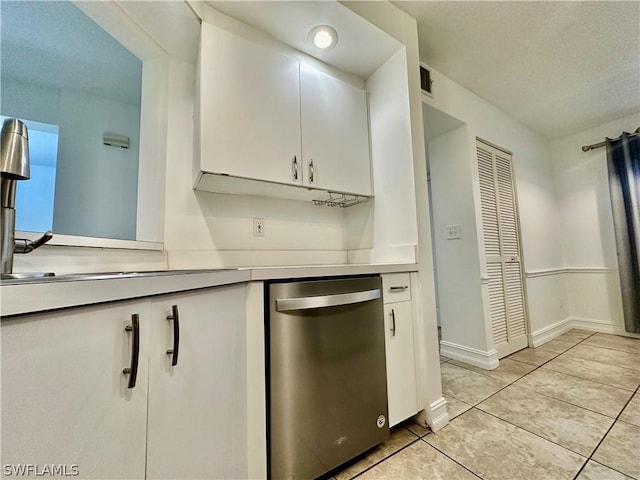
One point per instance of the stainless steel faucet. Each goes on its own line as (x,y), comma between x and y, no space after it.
(14,166)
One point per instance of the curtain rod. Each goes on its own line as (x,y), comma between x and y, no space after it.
(586,148)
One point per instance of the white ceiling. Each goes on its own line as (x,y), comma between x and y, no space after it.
(171,24)
(53,44)
(361,47)
(558,67)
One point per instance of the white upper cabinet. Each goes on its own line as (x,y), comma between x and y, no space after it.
(260,117)
(335,134)
(249,108)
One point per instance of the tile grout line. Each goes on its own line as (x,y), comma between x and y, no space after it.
(589,380)
(568,374)
(528,373)
(587,458)
(570,403)
(363,456)
(611,348)
(510,383)
(494,378)
(598,346)
(577,358)
(475,406)
(518,427)
(616,420)
(549,396)
(572,376)
(532,433)
(451,458)
(382,460)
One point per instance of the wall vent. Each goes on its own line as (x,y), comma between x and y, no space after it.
(115,140)
(425,80)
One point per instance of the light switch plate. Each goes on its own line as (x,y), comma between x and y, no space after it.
(454,232)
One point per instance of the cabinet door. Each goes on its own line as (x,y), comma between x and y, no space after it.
(335,134)
(401,366)
(195,410)
(249,109)
(65,399)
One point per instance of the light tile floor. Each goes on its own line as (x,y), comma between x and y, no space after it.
(569,409)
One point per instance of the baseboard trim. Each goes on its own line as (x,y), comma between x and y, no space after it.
(550,332)
(439,414)
(601,326)
(542,336)
(487,360)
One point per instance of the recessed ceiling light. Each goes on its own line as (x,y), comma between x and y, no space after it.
(323,36)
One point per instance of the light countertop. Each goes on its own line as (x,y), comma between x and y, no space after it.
(37,295)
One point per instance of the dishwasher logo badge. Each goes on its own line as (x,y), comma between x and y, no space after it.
(381,421)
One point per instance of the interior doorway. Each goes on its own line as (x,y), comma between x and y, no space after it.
(480,299)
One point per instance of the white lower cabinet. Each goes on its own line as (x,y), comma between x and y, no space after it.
(400,355)
(194,410)
(66,401)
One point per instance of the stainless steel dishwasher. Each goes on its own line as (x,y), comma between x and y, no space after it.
(327,374)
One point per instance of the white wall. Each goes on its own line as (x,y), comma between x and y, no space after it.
(588,242)
(457,261)
(96,186)
(539,218)
(388,224)
(402,27)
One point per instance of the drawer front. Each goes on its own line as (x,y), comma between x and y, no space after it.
(396,287)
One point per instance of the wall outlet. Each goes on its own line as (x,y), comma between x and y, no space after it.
(454,232)
(258,227)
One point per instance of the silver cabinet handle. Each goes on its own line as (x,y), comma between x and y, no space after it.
(393,322)
(399,288)
(306,303)
(295,168)
(311,172)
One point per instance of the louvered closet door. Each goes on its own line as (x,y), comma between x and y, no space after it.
(502,250)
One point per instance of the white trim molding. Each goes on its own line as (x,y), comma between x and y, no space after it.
(545,272)
(549,332)
(487,360)
(601,326)
(60,240)
(590,270)
(439,414)
(542,336)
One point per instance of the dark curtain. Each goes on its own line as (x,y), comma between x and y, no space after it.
(623,164)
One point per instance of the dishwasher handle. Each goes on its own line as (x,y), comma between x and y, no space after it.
(306,303)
